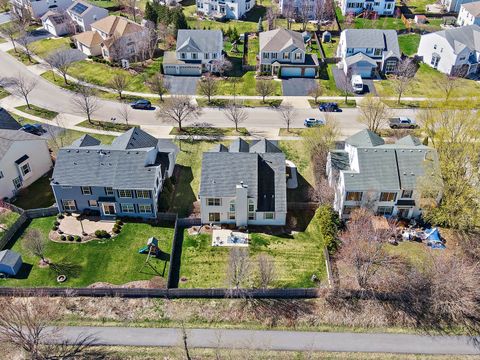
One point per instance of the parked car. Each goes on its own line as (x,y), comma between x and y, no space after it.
(402,123)
(310,122)
(141,104)
(329,107)
(357,84)
(35,129)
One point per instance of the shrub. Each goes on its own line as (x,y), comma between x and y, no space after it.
(63,238)
(60,216)
(119,222)
(116,229)
(56,223)
(72,45)
(68,214)
(78,239)
(70,238)
(60,231)
(102,234)
(328,223)
(54,228)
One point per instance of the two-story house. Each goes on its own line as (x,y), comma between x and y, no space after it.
(197,51)
(57,24)
(113,37)
(244,184)
(121,179)
(452,51)
(454,5)
(381,7)
(385,178)
(84,14)
(38,8)
(299,8)
(224,9)
(365,52)
(469,14)
(283,54)
(24,158)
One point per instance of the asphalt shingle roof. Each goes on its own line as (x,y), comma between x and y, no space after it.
(199,40)
(373,38)
(280,39)
(7,122)
(9,257)
(365,138)
(8,137)
(461,37)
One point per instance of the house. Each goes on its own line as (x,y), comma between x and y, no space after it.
(113,37)
(84,14)
(244,184)
(7,122)
(367,51)
(469,14)
(299,9)
(454,5)
(38,8)
(283,54)
(10,263)
(224,9)
(57,24)
(24,158)
(380,7)
(121,179)
(197,51)
(452,51)
(382,177)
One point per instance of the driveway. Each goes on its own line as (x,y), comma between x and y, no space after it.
(76,55)
(182,85)
(297,86)
(339,77)
(38,34)
(4,18)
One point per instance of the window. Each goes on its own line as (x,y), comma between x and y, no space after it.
(109,191)
(214,55)
(69,205)
(251,216)
(183,55)
(269,216)
(232,206)
(298,56)
(231,216)
(17,182)
(143,194)
(266,55)
(286,56)
(125,193)
(214,202)
(86,190)
(407,194)
(349,51)
(25,169)
(194,56)
(378,52)
(369,50)
(127,208)
(214,217)
(251,206)
(385,210)
(390,66)
(435,60)
(274,55)
(144,208)
(92,203)
(207,56)
(388,196)
(435,46)
(354,196)
(462,58)
(348,209)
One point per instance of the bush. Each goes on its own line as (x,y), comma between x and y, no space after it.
(78,239)
(60,216)
(70,238)
(56,223)
(72,45)
(63,238)
(54,228)
(102,234)
(328,223)
(116,229)
(60,231)
(119,222)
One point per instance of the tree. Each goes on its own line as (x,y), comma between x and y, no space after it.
(316,91)
(448,84)
(125,112)
(119,83)
(4,5)
(21,86)
(178,109)
(158,85)
(35,243)
(288,11)
(130,6)
(265,88)
(403,76)
(11,30)
(266,271)
(235,114)
(272,15)
(344,84)
(151,38)
(208,86)
(304,13)
(260,25)
(222,66)
(61,60)
(373,113)
(151,13)
(238,267)
(324,11)
(287,112)
(85,101)
(25,41)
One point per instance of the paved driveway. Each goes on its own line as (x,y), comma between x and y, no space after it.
(339,77)
(4,18)
(38,34)
(182,85)
(297,86)
(76,55)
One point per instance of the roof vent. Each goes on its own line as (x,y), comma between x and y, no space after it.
(88,151)
(74,163)
(365,150)
(77,151)
(68,150)
(411,151)
(374,150)
(98,151)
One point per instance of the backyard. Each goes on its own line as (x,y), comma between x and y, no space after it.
(37,195)
(409,43)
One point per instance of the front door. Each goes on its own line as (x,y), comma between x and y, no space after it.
(403,213)
(108,208)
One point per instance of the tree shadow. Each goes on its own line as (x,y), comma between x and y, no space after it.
(66,267)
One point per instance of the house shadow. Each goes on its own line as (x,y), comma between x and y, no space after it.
(24,272)
(302,192)
(183,196)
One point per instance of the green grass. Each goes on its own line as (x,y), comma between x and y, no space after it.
(424,85)
(22,57)
(38,111)
(37,195)
(209,131)
(327,81)
(7,219)
(253,50)
(341,103)
(418,6)
(113,260)
(244,102)
(386,23)
(2,40)
(3,93)
(105,125)
(330,48)
(246,86)
(46,46)
(409,43)
(407,104)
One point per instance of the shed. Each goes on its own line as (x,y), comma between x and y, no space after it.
(326,37)
(10,262)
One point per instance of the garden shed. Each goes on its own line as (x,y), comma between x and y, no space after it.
(10,262)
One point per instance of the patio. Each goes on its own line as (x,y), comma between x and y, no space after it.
(229,238)
(77,225)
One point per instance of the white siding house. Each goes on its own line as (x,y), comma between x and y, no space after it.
(454,5)
(57,24)
(224,9)
(84,14)
(381,7)
(469,14)
(38,8)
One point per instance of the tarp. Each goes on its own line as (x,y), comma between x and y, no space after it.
(432,235)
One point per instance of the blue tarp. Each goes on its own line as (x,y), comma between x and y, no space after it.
(433,234)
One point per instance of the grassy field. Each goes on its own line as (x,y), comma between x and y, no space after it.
(253,50)
(46,46)
(327,81)
(37,195)
(418,6)
(386,22)
(105,125)
(209,131)
(341,103)
(95,261)
(424,85)
(245,86)
(221,103)
(38,111)
(330,48)
(20,56)
(409,43)
(7,219)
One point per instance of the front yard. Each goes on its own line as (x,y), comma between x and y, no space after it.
(245,85)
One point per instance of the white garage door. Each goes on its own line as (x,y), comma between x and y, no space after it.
(291,72)
(190,70)
(309,72)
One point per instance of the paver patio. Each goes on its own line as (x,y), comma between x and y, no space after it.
(71,225)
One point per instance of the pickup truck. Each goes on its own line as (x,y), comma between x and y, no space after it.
(402,123)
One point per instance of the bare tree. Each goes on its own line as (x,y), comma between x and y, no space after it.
(316,91)
(21,86)
(222,66)
(303,13)
(119,83)
(125,112)
(11,30)
(151,38)
(288,12)
(4,5)
(178,109)
(373,113)
(235,114)
(158,85)
(85,101)
(324,11)
(35,243)
(448,84)
(403,76)
(271,16)
(25,41)
(287,112)
(208,86)
(344,83)
(238,267)
(266,271)
(61,60)
(265,88)
(130,6)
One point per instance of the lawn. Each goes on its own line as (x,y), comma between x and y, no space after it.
(418,6)
(38,111)
(105,125)
(253,50)
(22,57)
(221,103)
(424,85)
(409,43)
(341,103)
(46,46)
(330,48)
(327,81)
(386,23)
(209,131)
(114,260)
(7,219)
(245,86)
(37,195)
(3,93)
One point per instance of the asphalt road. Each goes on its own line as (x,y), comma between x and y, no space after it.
(277,340)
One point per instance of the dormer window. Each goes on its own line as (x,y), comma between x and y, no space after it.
(286,56)
(183,56)
(298,56)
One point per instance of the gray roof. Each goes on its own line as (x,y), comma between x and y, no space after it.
(86,140)
(473,8)
(239,145)
(373,38)
(360,57)
(8,137)
(7,122)
(264,146)
(127,163)
(199,40)
(263,173)
(9,257)
(281,39)
(461,37)
(365,138)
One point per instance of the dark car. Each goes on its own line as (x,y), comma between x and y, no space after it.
(35,129)
(142,104)
(329,107)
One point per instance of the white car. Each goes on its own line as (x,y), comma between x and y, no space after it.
(310,122)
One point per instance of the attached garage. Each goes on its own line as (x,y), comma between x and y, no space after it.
(360,64)
(187,70)
(309,72)
(291,72)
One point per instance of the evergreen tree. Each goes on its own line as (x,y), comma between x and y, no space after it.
(260,25)
(151,13)
(178,19)
(234,35)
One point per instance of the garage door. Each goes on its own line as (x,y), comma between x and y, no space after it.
(291,72)
(190,70)
(309,72)
(363,71)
